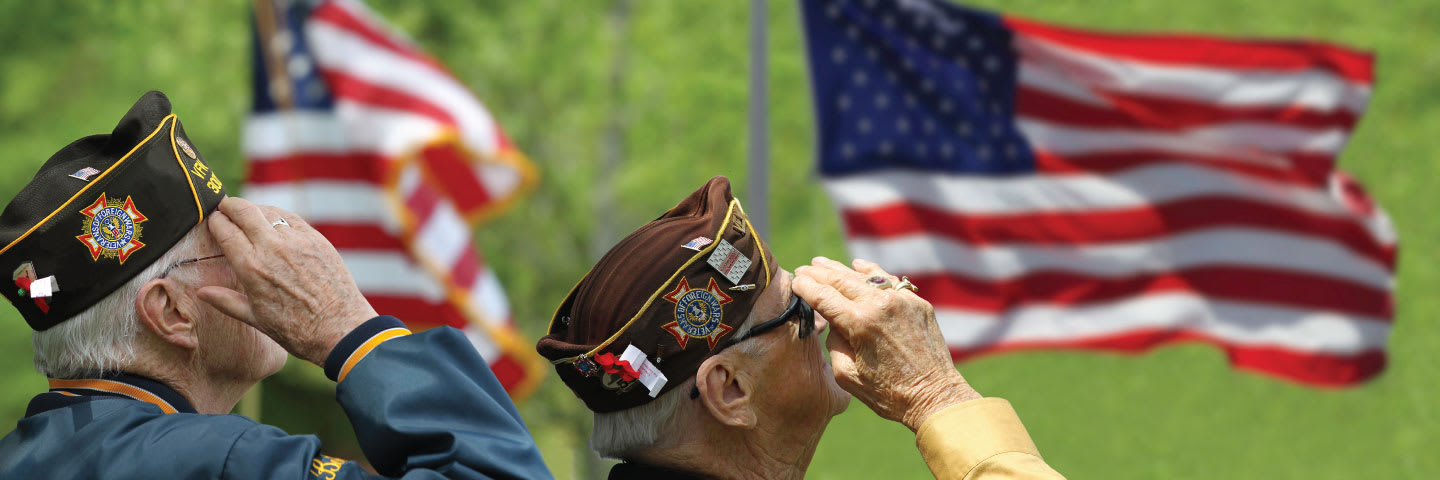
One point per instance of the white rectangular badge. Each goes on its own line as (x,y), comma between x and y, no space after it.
(650,376)
(44,288)
(729,261)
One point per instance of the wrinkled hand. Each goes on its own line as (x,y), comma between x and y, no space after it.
(296,288)
(885,346)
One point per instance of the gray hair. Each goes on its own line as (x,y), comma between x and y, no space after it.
(618,434)
(102,338)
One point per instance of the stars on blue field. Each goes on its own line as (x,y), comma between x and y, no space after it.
(913,84)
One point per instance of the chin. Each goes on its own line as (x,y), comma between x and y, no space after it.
(275,357)
(839,398)
(276,363)
(261,359)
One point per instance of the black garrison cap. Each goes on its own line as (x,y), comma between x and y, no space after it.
(101,210)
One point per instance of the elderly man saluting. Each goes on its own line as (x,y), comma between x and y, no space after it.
(132,281)
(702,358)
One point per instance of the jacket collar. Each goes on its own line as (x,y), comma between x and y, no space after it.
(627,470)
(123,385)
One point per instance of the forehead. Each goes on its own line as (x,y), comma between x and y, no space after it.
(197,243)
(774,299)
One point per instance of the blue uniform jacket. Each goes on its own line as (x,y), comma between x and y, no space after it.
(423,406)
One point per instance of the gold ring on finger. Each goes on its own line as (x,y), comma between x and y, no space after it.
(906,285)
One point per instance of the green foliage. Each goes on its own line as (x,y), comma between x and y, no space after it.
(72,68)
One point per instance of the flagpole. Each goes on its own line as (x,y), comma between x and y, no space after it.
(613,151)
(265,26)
(758,192)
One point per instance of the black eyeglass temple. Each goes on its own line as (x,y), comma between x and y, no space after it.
(172,266)
(797,305)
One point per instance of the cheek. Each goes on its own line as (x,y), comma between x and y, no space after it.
(808,355)
(235,345)
(838,396)
(229,334)
(816,350)
(259,345)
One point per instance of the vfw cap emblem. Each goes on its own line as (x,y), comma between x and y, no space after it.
(112,228)
(697,313)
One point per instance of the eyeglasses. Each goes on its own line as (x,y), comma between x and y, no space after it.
(172,266)
(797,309)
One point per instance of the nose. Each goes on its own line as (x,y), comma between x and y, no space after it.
(820,323)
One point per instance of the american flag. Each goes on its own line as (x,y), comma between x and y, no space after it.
(1048,187)
(389,156)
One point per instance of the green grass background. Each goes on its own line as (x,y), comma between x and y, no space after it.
(71,68)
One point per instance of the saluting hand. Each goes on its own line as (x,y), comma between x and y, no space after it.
(296,287)
(885,346)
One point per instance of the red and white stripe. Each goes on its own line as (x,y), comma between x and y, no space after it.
(1185,191)
(395,177)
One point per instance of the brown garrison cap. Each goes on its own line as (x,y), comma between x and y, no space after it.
(672,289)
(100,211)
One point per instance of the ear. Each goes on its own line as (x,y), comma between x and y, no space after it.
(159,311)
(725,393)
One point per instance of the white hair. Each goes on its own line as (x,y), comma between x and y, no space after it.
(102,338)
(618,434)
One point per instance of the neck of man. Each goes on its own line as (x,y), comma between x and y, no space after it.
(181,370)
(772,449)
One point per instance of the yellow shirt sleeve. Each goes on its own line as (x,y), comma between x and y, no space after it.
(980,439)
